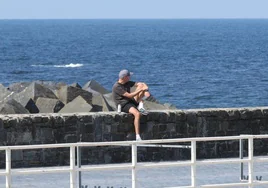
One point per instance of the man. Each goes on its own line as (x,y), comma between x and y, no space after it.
(131,102)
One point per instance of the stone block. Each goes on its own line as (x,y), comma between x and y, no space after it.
(109,119)
(246,114)
(162,127)
(265,112)
(95,86)
(118,137)
(4,93)
(10,122)
(3,137)
(148,105)
(33,91)
(70,138)
(12,107)
(31,155)
(257,113)
(191,130)
(71,129)
(25,123)
(59,135)
(171,127)
(107,128)
(18,87)
(191,118)
(17,155)
(31,107)
(27,103)
(99,104)
(88,137)
(180,116)
(58,120)
(86,128)
(255,126)
(24,138)
(171,116)
(47,135)
(143,118)
(47,105)
(107,137)
(1,124)
(68,93)
(70,120)
(109,99)
(121,127)
(153,116)
(79,104)
(223,125)
(53,86)
(85,118)
(163,117)
(233,114)
(76,85)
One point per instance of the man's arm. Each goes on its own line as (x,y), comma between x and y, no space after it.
(133,94)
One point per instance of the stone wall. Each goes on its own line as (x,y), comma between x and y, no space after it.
(112,126)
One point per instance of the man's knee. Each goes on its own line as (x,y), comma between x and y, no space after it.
(137,114)
(134,112)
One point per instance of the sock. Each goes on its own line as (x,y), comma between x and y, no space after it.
(140,105)
(138,136)
(144,98)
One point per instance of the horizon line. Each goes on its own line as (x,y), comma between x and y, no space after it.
(133,18)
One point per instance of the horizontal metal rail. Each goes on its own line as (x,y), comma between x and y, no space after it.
(134,165)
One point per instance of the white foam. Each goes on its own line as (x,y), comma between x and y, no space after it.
(70,65)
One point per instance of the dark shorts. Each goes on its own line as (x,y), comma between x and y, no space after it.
(130,104)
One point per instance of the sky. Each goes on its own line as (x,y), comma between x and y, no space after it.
(132,9)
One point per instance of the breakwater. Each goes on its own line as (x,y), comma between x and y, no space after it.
(23,129)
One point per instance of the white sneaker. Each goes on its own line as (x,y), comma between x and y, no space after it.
(138,137)
(143,111)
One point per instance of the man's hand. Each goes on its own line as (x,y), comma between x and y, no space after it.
(143,86)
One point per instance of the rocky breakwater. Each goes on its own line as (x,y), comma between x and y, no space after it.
(50,97)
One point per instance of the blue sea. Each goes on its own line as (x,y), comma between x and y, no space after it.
(191,63)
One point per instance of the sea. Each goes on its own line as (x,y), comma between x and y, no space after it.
(190,63)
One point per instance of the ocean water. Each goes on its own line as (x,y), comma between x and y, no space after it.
(189,63)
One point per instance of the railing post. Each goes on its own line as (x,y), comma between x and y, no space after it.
(134,163)
(250,163)
(79,166)
(8,168)
(79,163)
(72,167)
(193,161)
(241,155)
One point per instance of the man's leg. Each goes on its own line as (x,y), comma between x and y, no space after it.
(139,97)
(137,116)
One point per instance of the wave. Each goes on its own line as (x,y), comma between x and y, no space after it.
(71,65)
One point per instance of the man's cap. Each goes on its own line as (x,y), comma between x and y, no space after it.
(124,73)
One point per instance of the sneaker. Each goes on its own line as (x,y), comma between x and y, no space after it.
(138,139)
(143,111)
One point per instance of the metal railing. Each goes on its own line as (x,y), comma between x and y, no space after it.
(74,169)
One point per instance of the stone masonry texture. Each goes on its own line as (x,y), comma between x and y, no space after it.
(53,128)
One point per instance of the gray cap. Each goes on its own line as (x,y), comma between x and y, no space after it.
(124,73)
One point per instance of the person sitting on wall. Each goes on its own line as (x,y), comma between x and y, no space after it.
(131,102)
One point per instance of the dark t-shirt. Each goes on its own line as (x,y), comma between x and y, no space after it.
(119,90)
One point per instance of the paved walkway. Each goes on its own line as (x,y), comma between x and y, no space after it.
(147,178)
